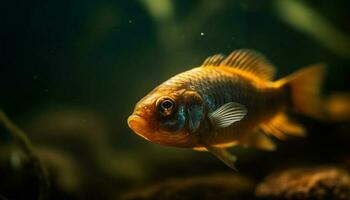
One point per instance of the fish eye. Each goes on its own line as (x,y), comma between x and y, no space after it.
(165,105)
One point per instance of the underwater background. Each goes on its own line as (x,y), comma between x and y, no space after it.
(72,71)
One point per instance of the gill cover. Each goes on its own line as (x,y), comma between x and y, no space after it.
(195,110)
(173,123)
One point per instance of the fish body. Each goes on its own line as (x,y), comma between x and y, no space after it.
(227,101)
(220,85)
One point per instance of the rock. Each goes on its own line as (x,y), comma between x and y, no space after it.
(324,182)
(216,186)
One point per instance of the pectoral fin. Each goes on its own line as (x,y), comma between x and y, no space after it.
(228,114)
(223,155)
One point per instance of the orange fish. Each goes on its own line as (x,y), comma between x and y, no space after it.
(228,101)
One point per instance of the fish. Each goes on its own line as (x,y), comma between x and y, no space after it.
(229,101)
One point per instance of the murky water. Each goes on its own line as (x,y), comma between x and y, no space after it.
(72,71)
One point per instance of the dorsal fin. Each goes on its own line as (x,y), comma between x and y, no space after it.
(246,60)
(214,60)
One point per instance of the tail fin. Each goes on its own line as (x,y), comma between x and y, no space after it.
(337,105)
(304,86)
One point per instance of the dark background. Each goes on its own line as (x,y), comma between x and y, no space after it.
(88,58)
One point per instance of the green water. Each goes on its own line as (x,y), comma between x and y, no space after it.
(72,71)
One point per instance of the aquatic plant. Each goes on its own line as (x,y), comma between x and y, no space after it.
(23,142)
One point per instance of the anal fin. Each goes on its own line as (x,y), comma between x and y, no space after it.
(281,126)
(222,145)
(223,155)
(258,140)
(200,149)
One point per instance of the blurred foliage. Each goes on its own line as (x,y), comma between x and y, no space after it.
(24,144)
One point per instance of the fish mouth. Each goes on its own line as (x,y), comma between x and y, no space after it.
(139,125)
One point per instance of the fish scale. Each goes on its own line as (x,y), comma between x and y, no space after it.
(219,87)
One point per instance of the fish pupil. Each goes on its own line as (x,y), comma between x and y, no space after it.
(167,104)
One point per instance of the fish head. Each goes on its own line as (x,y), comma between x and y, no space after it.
(168,117)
